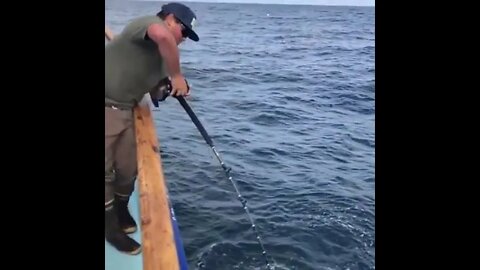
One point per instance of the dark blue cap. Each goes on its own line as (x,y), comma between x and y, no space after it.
(185,15)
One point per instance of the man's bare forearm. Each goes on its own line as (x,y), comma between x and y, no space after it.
(167,46)
(169,51)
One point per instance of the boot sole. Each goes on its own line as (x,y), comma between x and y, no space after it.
(134,252)
(130,230)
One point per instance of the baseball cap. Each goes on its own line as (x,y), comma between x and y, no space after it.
(185,15)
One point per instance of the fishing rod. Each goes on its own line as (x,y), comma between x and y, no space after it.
(227,170)
(163,92)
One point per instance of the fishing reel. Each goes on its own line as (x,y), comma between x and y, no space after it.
(162,90)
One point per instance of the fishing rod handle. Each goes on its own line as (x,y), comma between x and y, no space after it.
(163,90)
(195,120)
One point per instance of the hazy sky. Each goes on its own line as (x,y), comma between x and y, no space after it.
(311,2)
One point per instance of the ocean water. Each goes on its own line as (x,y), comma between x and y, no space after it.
(288,95)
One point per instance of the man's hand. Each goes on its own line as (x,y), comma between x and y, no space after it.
(179,86)
(108,33)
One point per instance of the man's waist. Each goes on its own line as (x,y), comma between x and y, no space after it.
(118,105)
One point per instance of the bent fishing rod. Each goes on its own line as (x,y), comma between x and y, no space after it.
(164,91)
(227,170)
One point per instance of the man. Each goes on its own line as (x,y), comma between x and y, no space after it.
(136,61)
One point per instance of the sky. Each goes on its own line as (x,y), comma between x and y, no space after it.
(300,2)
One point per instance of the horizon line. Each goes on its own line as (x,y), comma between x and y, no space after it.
(255,3)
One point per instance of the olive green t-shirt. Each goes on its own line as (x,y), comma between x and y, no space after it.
(133,64)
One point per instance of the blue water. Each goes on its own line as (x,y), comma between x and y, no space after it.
(288,95)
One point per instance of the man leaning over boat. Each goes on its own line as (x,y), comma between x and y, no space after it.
(137,61)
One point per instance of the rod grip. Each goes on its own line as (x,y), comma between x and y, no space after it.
(195,120)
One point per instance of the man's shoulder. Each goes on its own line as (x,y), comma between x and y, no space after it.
(143,21)
(137,27)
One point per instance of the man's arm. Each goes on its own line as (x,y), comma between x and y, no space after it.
(169,51)
(108,33)
(167,47)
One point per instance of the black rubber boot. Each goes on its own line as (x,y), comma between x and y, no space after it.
(127,223)
(118,238)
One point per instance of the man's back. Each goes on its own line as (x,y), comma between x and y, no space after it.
(133,65)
